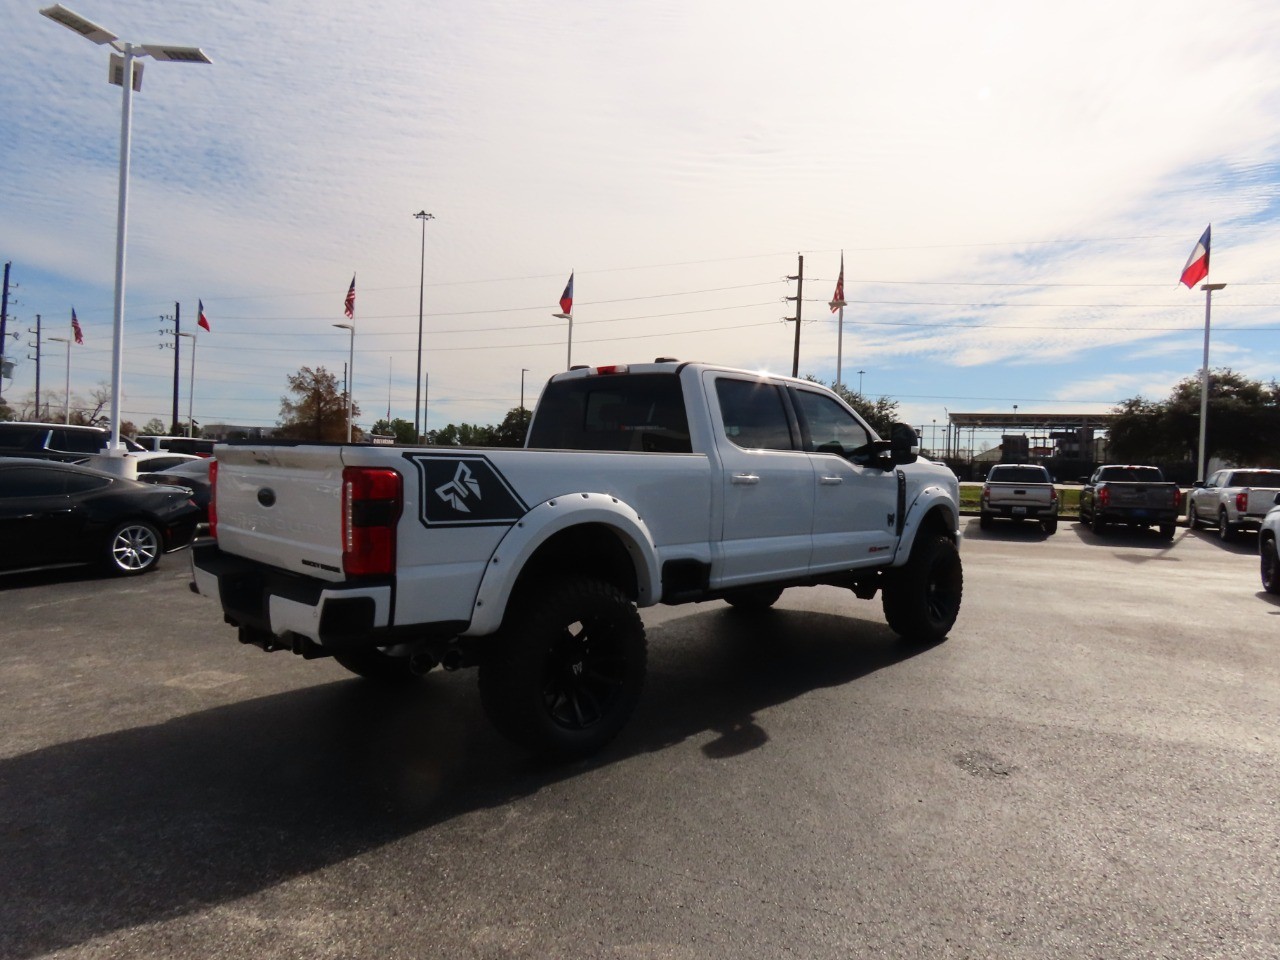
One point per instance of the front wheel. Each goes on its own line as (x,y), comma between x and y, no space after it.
(1193,520)
(133,548)
(922,599)
(1270,567)
(567,668)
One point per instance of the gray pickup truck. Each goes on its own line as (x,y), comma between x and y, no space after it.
(1019,491)
(1131,495)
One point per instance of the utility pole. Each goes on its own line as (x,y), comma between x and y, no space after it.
(36,358)
(4,318)
(176,319)
(799,299)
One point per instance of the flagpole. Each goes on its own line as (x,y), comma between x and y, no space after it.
(839,346)
(1208,289)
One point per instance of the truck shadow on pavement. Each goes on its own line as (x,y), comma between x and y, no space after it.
(144,825)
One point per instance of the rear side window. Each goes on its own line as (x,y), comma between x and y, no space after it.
(77,441)
(15,436)
(1256,478)
(639,412)
(32,481)
(754,415)
(1019,475)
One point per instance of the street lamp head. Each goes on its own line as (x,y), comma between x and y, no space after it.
(167,51)
(345,326)
(58,339)
(1212,286)
(424,216)
(73,21)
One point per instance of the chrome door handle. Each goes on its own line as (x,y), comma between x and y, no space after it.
(745,478)
(831,481)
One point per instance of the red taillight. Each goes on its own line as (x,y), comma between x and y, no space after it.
(1104,496)
(1053,494)
(1242,501)
(213,499)
(371,502)
(986,492)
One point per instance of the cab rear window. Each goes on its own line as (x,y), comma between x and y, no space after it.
(638,412)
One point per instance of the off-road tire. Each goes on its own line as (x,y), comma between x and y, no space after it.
(134,547)
(753,598)
(1269,566)
(567,668)
(922,599)
(372,664)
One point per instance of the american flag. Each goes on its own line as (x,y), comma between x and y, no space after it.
(349,305)
(838,300)
(75,327)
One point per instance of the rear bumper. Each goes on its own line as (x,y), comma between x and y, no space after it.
(1020,511)
(265,602)
(1138,515)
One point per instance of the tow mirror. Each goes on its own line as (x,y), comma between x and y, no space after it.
(905,444)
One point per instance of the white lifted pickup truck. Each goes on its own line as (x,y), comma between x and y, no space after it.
(662,482)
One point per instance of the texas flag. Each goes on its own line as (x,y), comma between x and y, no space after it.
(1197,267)
(75,327)
(202,320)
(566,298)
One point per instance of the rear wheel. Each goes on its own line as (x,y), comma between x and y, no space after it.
(984,520)
(567,669)
(1226,532)
(1270,567)
(1097,524)
(1050,527)
(753,598)
(134,547)
(922,599)
(1167,530)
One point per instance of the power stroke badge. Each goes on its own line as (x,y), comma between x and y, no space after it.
(464,490)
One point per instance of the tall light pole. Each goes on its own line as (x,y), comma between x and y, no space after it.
(351,370)
(860,373)
(130,78)
(422,276)
(523,371)
(66,401)
(191,391)
(1208,289)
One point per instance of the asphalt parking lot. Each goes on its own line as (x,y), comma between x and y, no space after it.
(1086,768)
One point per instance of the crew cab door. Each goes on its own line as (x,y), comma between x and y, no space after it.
(767,482)
(855,506)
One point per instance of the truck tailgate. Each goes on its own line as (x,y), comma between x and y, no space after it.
(281,505)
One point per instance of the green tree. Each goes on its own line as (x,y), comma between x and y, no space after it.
(317,409)
(462,435)
(402,430)
(1243,424)
(154,427)
(513,429)
(881,413)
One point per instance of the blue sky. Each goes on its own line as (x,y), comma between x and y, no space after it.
(1015,188)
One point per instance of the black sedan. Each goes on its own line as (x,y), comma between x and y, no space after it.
(55,514)
(192,474)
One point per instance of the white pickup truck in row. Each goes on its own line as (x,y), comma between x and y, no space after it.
(1232,500)
(655,483)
